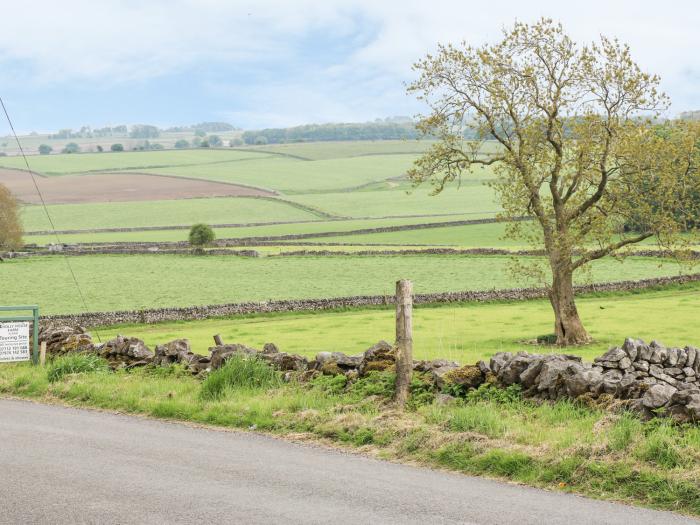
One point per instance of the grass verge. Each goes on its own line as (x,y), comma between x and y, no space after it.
(489,432)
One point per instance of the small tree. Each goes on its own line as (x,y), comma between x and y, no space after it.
(261,140)
(71,147)
(574,151)
(215,141)
(45,149)
(182,144)
(10,224)
(201,235)
(117,147)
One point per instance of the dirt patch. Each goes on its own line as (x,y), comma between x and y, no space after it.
(118,187)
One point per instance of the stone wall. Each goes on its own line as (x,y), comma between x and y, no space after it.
(225,310)
(647,378)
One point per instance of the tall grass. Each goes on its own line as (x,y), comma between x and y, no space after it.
(240,373)
(75,364)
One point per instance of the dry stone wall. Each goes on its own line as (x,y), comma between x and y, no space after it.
(158,315)
(650,379)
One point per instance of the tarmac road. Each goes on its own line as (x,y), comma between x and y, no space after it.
(60,465)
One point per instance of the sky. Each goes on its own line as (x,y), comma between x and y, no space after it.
(272,63)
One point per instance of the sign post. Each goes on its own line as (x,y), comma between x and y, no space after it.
(14,334)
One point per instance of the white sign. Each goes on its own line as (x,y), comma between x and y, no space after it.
(14,342)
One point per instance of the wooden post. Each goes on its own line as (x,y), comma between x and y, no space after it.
(42,354)
(404,340)
(218,341)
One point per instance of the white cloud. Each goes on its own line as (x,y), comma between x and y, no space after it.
(113,41)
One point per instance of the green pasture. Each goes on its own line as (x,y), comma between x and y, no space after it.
(127,282)
(341,149)
(315,227)
(229,210)
(290,175)
(127,160)
(464,333)
(475,198)
(469,236)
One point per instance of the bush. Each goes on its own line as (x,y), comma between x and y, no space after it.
(45,149)
(75,364)
(200,236)
(71,147)
(117,147)
(240,372)
(494,394)
(182,144)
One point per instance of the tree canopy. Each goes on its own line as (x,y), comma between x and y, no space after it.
(201,235)
(10,224)
(578,150)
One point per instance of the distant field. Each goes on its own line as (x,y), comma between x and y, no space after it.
(146,281)
(354,148)
(127,160)
(318,226)
(471,236)
(297,176)
(464,333)
(476,199)
(162,213)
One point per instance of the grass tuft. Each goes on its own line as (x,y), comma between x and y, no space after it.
(247,373)
(75,364)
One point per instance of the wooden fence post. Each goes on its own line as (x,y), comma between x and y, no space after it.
(218,341)
(42,353)
(404,340)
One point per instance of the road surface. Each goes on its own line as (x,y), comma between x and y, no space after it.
(61,465)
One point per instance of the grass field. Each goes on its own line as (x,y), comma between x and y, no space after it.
(127,160)
(472,199)
(334,150)
(464,333)
(149,281)
(290,176)
(162,213)
(469,236)
(314,227)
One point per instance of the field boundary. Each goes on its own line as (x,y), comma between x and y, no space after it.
(240,225)
(293,236)
(193,313)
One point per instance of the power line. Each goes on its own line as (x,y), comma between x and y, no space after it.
(46,211)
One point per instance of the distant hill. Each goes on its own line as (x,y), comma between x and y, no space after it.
(392,128)
(690,115)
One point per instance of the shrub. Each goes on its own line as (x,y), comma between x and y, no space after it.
(117,147)
(200,236)
(45,149)
(75,364)
(182,144)
(240,372)
(501,396)
(71,147)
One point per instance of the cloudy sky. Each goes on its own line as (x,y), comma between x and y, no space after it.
(278,63)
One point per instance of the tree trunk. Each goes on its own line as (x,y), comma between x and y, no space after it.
(567,324)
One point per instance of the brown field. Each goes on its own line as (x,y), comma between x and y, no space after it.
(122,187)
